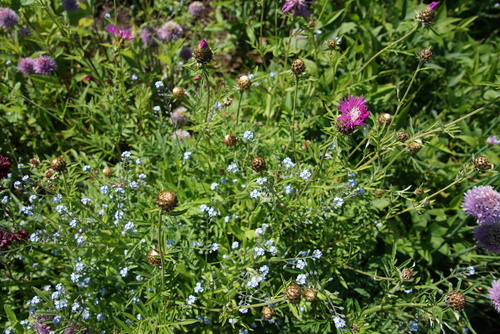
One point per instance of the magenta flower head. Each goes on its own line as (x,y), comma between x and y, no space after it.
(297,7)
(353,112)
(433,5)
(494,294)
(4,167)
(488,237)
(120,33)
(482,202)
(26,66)
(8,18)
(44,65)
(169,31)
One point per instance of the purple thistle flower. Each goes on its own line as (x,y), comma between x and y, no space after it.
(203,44)
(147,35)
(70,5)
(494,294)
(492,140)
(23,32)
(482,202)
(196,8)
(488,237)
(297,7)
(26,66)
(186,53)
(433,5)
(120,33)
(354,112)
(169,31)
(179,117)
(4,167)
(44,65)
(8,18)
(181,134)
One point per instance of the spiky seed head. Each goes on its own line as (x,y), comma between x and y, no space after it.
(166,200)
(298,67)
(178,92)
(331,43)
(154,257)
(227,101)
(202,53)
(293,292)
(413,147)
(258,164)
(48,173)
(402,136)
(311,24)
(384,118)
(34,162)
(310,294)
(354,328)
(244,82)
(378,193)
(407,273)
(267,312)
(58,164)
(426,16)
(481,163)
(455,300)
(107,171)
(425,55)
(230,140)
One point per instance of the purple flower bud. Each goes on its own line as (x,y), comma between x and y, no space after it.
(433,5)
(44,65)
(203,44)
(8,18)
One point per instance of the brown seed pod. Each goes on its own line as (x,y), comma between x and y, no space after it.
(455,300)
(310,294)
(244,82)
(413,147)
(426,16)
(402,136)
(178,92)
(267,312)
(154,257)
(107,171)
(293,292)
(384,119)
(354,328)
(48,173)
(34,162)
(331,43)
(227,101)
(298,67)
(166,200)
(425,55)
(481,163)
(258,164)
(407,273)
(58,164)
(230,140)
(419,191)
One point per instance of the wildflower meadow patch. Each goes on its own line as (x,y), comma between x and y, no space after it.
(249,166)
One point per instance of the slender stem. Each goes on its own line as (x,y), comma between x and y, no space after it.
(400,104)
(205,75)
(160,250)
(292,130)
(239,106)
(394,306)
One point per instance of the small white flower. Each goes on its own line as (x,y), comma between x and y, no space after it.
(232,168)
(261,180)
(288,162)
(305,174)
(338,202)
(317,253)
(191,300)
(86,168)
(187,155)
(214,186)
(198,288)
(272,74)
(124,272)
(301,279)
(339,322)
(235,245)
(157,108)
(254,194)
(126,155)
(159,84)
(248,135)
(288,189)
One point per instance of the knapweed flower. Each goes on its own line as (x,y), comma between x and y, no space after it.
(493,140)
(488,237)
(169,31)
(181,134)
(44,65)
(26,66)
(427,15)
(120,33)
(297,7)
(4,167)
(494,294)
(147,35)
(353,112)
(186,53)
(482,202)
(8,18)
(196,8)
(202,53)
(70,5)
(179,117)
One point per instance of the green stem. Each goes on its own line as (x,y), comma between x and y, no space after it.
(239,106)
(394,306)
(160,249)
(292,144)
(205,76)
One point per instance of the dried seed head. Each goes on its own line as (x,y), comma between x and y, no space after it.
(425,55)
(107,171)
(419,191)
(58,164)
(354,328)
(258,164)
(154,257)
(244,82)
(178,92)
(384,118)
(311,24)
(34,162)
(426,16)
(378,193)
(455,300)
(202,53)
(413,147)
(402,136)
(48,173)
(293,292)
(227,101)
(230,140)
(481,163)
(331,43)
(298,67)
(267,312)
(407,273)
(167,200)
(310,294)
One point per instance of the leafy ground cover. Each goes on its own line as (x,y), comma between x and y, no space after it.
(249,166)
